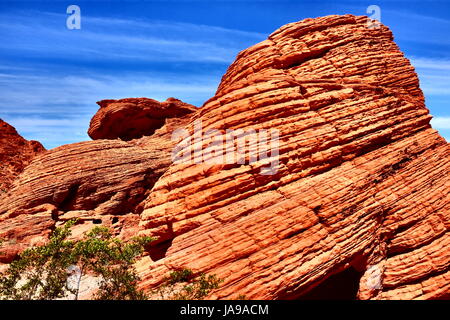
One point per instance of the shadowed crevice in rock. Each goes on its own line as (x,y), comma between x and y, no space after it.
(341,286)
(159,251)
(69,199)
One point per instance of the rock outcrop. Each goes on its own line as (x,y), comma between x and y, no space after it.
(98,182)
(143,116)
(362,180)
(15,154)
(358,188)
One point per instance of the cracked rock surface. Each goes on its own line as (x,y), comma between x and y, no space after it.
(362,180)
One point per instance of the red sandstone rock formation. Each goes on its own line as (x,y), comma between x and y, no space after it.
(99,181)
(138,117)
(361,184)
(362,180)
(15,154)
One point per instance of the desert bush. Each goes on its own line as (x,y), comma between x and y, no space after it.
(42,272)
(183,285)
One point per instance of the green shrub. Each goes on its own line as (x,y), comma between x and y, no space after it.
(183,285)
(42,272)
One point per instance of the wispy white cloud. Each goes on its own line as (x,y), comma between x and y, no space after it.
(173,26)
(419,18)
(55,106)
(50,132)
(434,79)
(57,110)
(49,103)
(440,122)
(433,74)
(429,63)
(29,93)
(114,39)
(416,28)
(37,122)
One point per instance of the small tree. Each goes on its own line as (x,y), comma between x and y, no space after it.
(43,272)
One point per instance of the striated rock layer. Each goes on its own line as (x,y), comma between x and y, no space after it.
(15,154)
(98,182)
(362,181)
(359,189)
(143,116)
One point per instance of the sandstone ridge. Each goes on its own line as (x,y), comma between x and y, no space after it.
(360,191)
(362,181)
(15,154)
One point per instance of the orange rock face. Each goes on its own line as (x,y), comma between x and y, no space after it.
(362,181)
(359,194)
(15,154)
(143,116)
(98,182)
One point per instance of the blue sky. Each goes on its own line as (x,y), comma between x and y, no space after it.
(51,77)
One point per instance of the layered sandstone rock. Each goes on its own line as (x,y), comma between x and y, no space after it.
(97,182)
(137,117)
(362,180)
(15,154)
(359,179)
